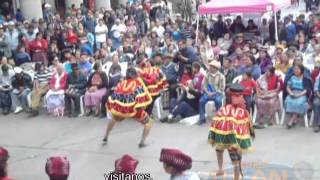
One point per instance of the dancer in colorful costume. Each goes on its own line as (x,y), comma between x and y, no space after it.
(153,78)
(129,100)
(232,129)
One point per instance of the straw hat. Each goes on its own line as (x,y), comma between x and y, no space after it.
(215,64)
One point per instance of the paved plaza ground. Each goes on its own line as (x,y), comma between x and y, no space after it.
(31,141)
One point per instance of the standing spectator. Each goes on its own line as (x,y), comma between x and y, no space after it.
(290,30)
(41,87)
(22,85)
(237,26)
(31,33)
(219,28)
(159,29)
(57,168)
(4,157)
(96,89)
(4,43)
(101,31)
(140,20)
(19,16)
(76,87)
(12,35)
(38,49)
(55,95)
(5,89)
(264,30)
(90,23)
(214,86)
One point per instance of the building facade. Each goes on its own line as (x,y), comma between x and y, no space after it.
(32,9)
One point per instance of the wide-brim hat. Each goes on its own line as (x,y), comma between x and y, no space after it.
(176,159)
(126,164)
(215,64)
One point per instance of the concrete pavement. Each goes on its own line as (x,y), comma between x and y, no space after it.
(277,152)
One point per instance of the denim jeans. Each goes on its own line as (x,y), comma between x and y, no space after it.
(203,101)
(20,99)
(316,109)
(182,108)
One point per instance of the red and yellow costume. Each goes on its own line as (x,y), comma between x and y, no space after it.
(230,129)
(129,100)
(154,79)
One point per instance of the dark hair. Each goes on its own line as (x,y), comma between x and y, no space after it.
(131,73)
(252,59)
(38,66)
(301,67)
(249,74)
(228,59)
(96,66)
(196,65)
(272,70)
(4,68)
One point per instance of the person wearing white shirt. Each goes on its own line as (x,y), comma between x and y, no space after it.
(159,29)
(101,31)
(118,26)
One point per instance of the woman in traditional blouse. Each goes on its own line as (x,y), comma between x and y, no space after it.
(298,88)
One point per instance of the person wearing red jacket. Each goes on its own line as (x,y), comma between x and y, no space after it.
(55,96)
(38,48)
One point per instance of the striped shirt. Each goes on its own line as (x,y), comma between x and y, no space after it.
(43,77)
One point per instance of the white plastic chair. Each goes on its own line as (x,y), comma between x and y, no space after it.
(158,106)
(305,117)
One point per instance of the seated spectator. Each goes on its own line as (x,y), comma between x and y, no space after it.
(55,95)
(40,88)
(299,88)
(228,71)
(170,70)
(283,64)
(6,75)
(4,156)
(126,165)
(187,75)
(188,103)
(22,85)
(316,106)
(57,168)
(76,87)
(249,85)
(22,56)
(264,60)
(84,65)
(252,67)
(176,163)
(267,99)
(54,64)
(96,89)
(214,86)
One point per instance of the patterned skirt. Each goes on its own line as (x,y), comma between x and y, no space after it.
(129,100)
(268,106)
